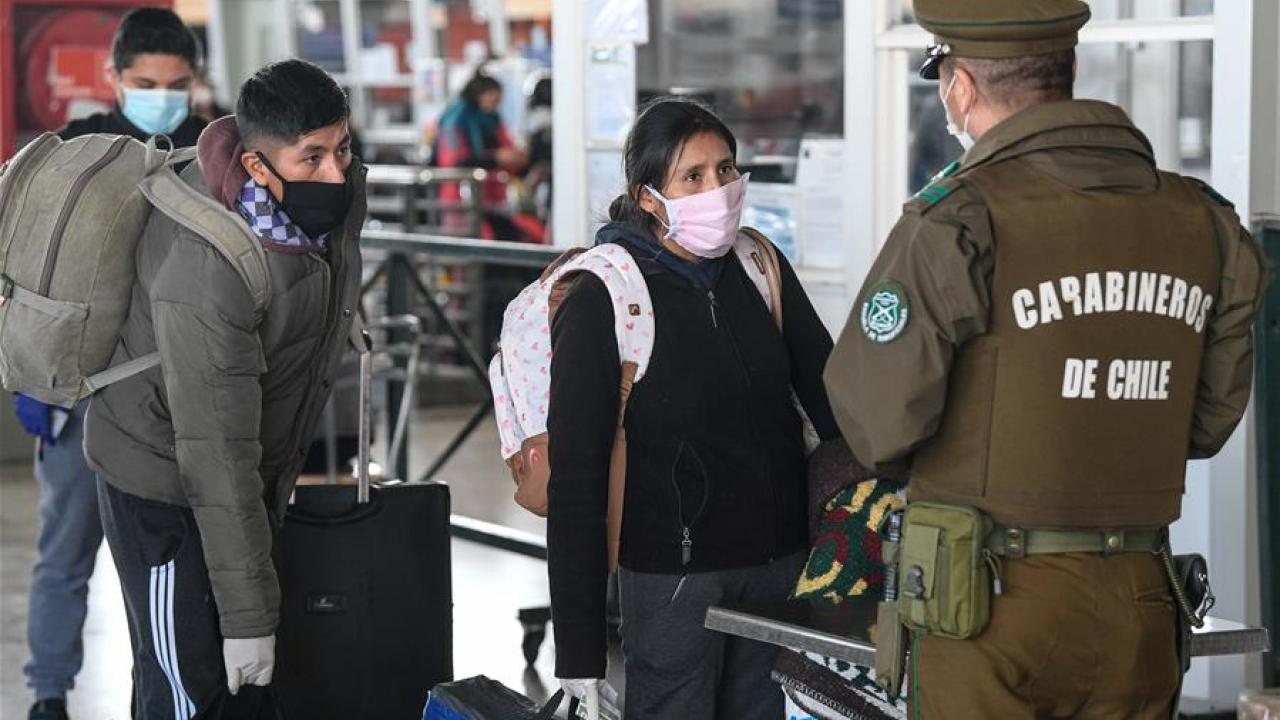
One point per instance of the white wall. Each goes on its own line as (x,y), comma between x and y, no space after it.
(569,214)
(252,36)
(861,155)
(1220,509)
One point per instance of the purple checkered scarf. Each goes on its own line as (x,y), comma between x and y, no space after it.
(269,222)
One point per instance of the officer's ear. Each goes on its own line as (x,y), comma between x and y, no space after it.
(965,93)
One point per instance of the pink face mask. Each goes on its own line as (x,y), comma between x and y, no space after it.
(706,224)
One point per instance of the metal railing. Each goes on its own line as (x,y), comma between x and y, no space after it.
(411,194)
(404,283)
(424,229)
(392,258)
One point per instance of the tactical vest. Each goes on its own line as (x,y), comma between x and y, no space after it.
(1075,409)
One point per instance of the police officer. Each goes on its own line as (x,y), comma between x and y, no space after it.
(1053,328)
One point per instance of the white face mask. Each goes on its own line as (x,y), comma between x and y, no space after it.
(961,134)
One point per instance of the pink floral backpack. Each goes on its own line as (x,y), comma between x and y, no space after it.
(520,373)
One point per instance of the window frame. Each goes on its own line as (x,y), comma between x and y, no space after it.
(893,45)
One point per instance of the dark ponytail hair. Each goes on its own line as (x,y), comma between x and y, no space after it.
(655,140)
(478,85)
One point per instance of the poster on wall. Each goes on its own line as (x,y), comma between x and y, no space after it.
(774,209)
(820,181)
(611,94)
(618,21)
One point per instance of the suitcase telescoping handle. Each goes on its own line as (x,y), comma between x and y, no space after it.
(365,428)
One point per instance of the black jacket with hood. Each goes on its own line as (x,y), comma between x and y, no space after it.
(115,123)
(714,443)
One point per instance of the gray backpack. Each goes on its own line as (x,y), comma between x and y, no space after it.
(71,214)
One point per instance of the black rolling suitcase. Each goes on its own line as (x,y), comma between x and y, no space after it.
(366,626)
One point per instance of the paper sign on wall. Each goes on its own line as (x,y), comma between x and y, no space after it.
(611,94)
(618,21)
(820,180)
(774,209)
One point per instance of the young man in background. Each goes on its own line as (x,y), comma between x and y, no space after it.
(153,60)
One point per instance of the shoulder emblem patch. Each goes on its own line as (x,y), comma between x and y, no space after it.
(886,311)
(946,172)
(934,194)
(938,188)
(935,190)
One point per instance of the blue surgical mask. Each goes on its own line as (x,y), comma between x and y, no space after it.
(156,111)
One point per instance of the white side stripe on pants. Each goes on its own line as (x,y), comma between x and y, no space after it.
(163,639)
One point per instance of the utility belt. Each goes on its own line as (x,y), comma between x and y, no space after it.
(943,566)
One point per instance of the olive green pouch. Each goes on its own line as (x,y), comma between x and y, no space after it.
(944,573)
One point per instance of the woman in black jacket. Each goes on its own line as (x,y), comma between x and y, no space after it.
(715,507)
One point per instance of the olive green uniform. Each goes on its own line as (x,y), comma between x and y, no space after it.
(889,397)
(983,353)
(1052,329)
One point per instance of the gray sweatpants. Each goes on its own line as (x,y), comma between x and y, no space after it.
(675,668)
(70,535)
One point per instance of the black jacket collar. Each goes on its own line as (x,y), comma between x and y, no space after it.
(654,259)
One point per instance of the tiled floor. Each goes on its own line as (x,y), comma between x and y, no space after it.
(490,586)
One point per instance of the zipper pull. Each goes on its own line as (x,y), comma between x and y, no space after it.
(994,563)
(711,297)
(686,548)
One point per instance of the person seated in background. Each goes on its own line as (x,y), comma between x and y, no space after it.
(471,133)
(154,59)
(197,458)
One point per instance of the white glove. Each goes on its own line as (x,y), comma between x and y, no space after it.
(592,693)
(249,661)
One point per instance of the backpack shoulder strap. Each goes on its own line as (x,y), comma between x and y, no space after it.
(634,329)
(225,232)
(759,258)
(157,157)
(116,373)
(565,257)
(629,293)
(168,193)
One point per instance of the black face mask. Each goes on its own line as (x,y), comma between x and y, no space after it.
(316,207)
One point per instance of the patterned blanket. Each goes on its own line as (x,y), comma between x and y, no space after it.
(844,562)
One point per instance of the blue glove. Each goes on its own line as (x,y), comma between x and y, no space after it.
(35,417)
